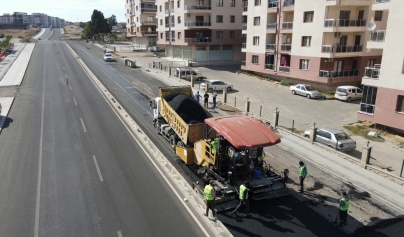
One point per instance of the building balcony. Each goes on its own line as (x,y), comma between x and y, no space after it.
(381,1)
(170,25)
(148,22)
(286,47)
(148,9)
(272,4)
(377,35)
(271,26)
(334,74)
(284,69)
(341,48)
(372,72)
(243,45)
(348,2)
(344,23)
(244,27)
(269,66)
(270,47)
(170,39)
(167,11)
(149,33)
(190,7)
(380,5)
(287,25)
(198,40)
(197,23)
(288,3)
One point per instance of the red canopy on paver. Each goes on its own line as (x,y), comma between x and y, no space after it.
(243,132)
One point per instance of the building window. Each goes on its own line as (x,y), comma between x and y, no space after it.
(257,21)
(179,35)
(232,19)
(244,36)
(219,19)
(304,64)
(161,22)
(402,70)
(161,35)
(256,40)
(368,99)
(400,104)
(231,34)
(179,20)
(161,8)
(178,4)
(378,15)
(219,34)
(306,41)
(244,19)
(233,3)
(255,59)
(308,16)
(219,3)
(257,2)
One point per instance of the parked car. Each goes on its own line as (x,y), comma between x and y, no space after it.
(217,85)
(348,93)
(156,49)
(186,72)
(305,90)
(108,57)
(39,38)
(334,138)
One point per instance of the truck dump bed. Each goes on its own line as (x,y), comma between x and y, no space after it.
(183,113)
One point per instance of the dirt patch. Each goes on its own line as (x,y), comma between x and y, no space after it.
(72,33)
(24,35)
(227,108)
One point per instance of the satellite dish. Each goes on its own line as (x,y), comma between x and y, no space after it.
(371,26)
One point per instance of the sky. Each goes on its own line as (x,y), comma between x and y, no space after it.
(69,10)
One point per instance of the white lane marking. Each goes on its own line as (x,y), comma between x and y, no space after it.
(64,69)
(82,123)
(119,233)
(141,146)
(66,76)
(70,86)
(38,186)
(98,168)
(75,102)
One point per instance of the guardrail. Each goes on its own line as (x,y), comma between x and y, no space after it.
(345,73)
(197,7)
(270,47)
(286,47)
(271,26)
(287,25)
(197,23)
(344,23)
(341,48)
(372,72)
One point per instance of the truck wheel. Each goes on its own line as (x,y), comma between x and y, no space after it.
(173,141)
(157,126)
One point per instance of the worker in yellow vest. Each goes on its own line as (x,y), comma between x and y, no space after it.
(243,196)
(214,145)
(210,195)
(344,202)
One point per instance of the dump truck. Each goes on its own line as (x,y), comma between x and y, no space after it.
(226,149)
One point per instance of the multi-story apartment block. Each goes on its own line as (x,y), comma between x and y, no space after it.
(204,31)
(383,84)
(141,22)
(320,42)
(18,17)
(6,18)
(40,19)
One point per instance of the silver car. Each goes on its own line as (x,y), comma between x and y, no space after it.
(305,90)
(217,85)
(334,138)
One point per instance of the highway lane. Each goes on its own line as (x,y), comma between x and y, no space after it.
(92,178)
(279,217)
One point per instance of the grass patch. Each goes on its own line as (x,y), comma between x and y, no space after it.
(363,130)
(284,83)
(294,129)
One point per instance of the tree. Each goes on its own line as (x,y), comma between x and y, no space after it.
(112,21)
(88,34)
(99,25)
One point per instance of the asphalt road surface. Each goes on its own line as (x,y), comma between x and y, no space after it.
(69,167)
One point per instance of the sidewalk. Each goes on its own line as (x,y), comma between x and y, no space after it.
(379,187)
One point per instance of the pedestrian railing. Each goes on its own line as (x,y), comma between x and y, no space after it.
(344,23)
(345,73)
(377,35)
(287,25)
(271,26)
(284,69)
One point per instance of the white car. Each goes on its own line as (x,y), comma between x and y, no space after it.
(348,93)
(305,90)
(108,57)
(155,49)
(217,85)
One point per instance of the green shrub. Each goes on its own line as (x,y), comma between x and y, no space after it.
(284,83)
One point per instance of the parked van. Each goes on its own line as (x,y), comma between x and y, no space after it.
(186,72)
(348,93)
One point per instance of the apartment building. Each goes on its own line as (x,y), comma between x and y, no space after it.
(320,42)
(201,31)
(141,22)
(383,84)
(6,18)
